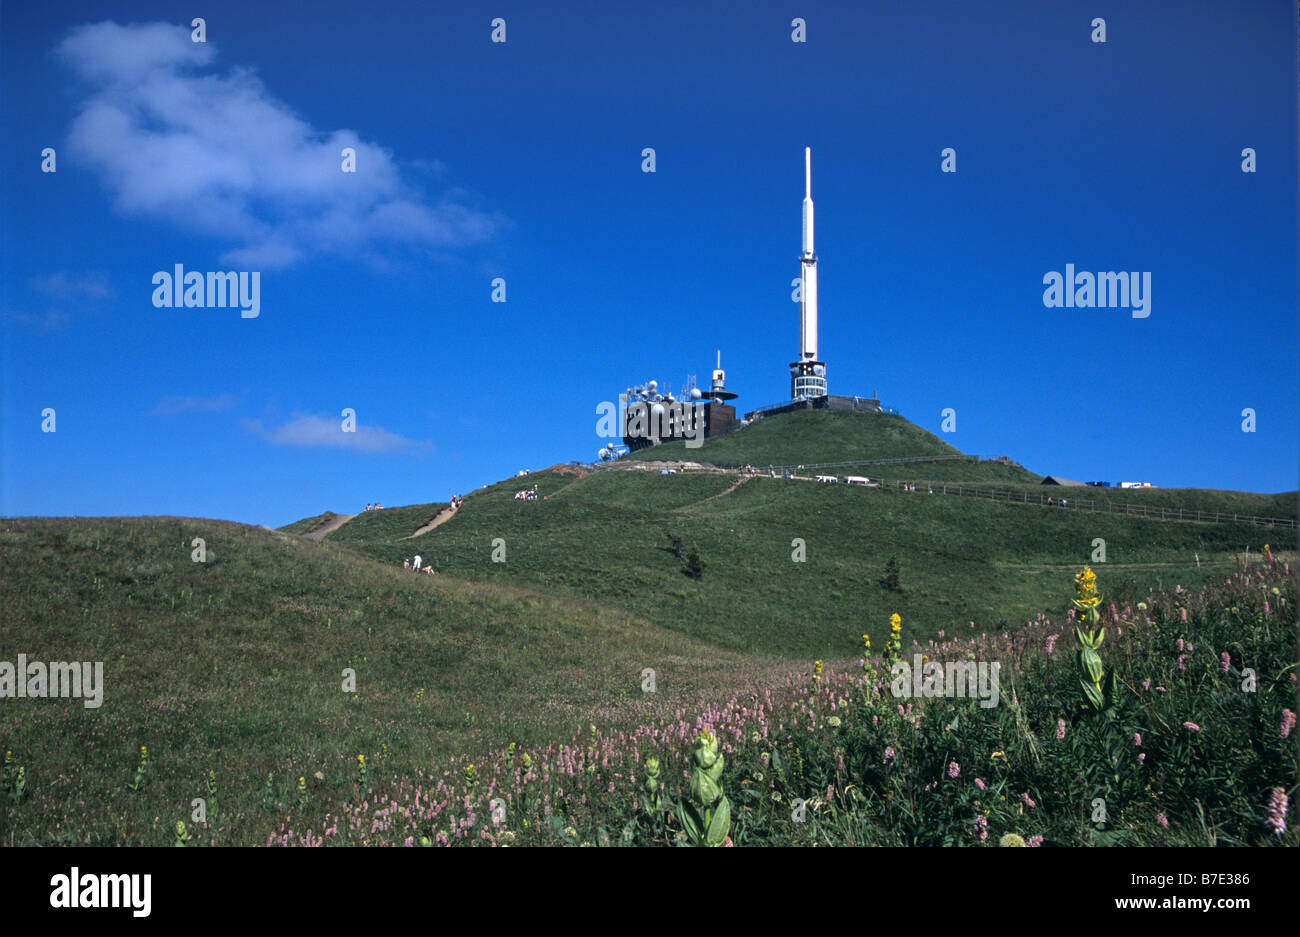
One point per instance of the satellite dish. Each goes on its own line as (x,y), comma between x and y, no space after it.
(652,386)
(819,370)
(695,393)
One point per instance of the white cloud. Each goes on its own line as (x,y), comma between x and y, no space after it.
(175,139)
(312,432)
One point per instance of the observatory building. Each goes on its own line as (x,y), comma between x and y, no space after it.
(650,415)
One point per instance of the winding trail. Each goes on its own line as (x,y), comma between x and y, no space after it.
(438,519)
(333,524)
(720,494)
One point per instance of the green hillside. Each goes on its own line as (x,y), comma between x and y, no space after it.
(386,524)
(604,537)
(538,626)
(235,665)
(813,436)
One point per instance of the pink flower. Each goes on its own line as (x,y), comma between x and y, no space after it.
(1225,661)
(1137,739)
(1163,821)
(1180,645)
(1277,810)
(1051,643)
(982,827)
(889,754)
(1060,729)
(1191,725)
(1142,758)
(1034,841)
(953,769)
(979,784)
(1028,801)
(1182,613)
(1182,661)
(1288,723)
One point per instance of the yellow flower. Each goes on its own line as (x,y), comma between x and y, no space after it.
(361,759)
(895,622)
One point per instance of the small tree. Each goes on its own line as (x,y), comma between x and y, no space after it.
(694,565)
(890,581)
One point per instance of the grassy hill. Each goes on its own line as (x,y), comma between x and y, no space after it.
(813,436)
(539,625)
(235,665)
(604,537)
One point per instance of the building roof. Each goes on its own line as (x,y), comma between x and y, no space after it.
(1058,480)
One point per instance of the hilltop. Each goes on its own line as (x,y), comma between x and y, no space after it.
(809,437)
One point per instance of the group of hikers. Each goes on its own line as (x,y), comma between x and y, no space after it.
(528,494)
(417,564)
(375,507)
(1063,502)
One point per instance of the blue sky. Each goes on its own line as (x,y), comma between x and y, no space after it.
(522,160)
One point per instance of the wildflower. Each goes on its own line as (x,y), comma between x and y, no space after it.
(1085,587)
(1051,643)
(1225,661)
(1191,725)
(1142,606)
(817,670)
(507,838)
(1163,821)
(1035,841)
(979,784)
(1182,613)
(1288,723)
(833,722)
(889,754)
(1277,804)
(1011,839)
(1060,729)
(954,770)
(1028,801)
(982,828)
(1142,758)
(1137,739)
(1146,684)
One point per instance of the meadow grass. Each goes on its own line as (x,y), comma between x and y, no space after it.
(1198,748)
(235,665)
(603,537)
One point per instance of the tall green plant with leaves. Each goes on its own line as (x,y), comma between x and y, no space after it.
(705,813)
(1086,603)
